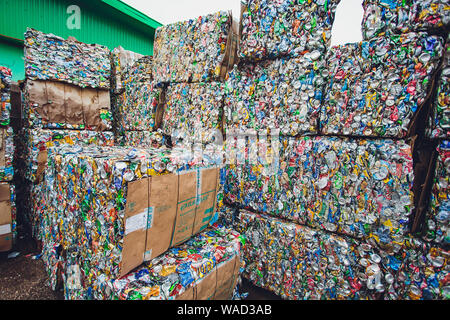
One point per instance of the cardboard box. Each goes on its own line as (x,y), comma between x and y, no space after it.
(6,236)
(165,211)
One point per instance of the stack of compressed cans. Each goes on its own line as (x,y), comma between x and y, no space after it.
(378,86)
(105,214)
(193,111)
(436,213)
(136,221)
(190,58)
(320,176)
(356,187)
(439,113)
(121,60)
(6,131)
(283,94)
(136,98)
(397,16)
(65,101)
(51,58)
(271,29)
(205,267)
(283,91)
(8,231)
(192,50)
(299,262)
(436,226)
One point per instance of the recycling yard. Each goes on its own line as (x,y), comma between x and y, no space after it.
(225,157)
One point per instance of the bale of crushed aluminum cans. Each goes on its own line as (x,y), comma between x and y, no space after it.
(377,87)
(206,267)
(193,111)
(439,113)
(298,262)
(50,57)
(108,209)
(121,60)
(7,149)
(361,188)
(57,105)
(437,217)
(142,139)
(383,17)
(33,145)
(5,95)
(135,106)
(282,94)
(8,216)
(193,50)
(270,29)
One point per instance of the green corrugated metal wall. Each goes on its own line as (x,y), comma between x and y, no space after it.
(100,23)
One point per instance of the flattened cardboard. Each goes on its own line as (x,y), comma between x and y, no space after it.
(186,295)
(134,242)
(162,213)
(6,242)
(5,192)
(90,107)
(104,103)
(54,109)
(5,213)
(42,164)
(225,279)
(73,104)
(206,287)
(206,198)
(37,93)
(187,193)
(159,113)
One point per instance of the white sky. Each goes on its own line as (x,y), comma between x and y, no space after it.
(346,28)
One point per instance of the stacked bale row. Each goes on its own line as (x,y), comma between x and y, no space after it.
(8,219)
(107,215)
(326,147)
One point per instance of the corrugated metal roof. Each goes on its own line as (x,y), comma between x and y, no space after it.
(132,12)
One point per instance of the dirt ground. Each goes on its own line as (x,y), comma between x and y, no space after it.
(24,278)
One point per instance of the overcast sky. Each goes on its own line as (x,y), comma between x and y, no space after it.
(346,28)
